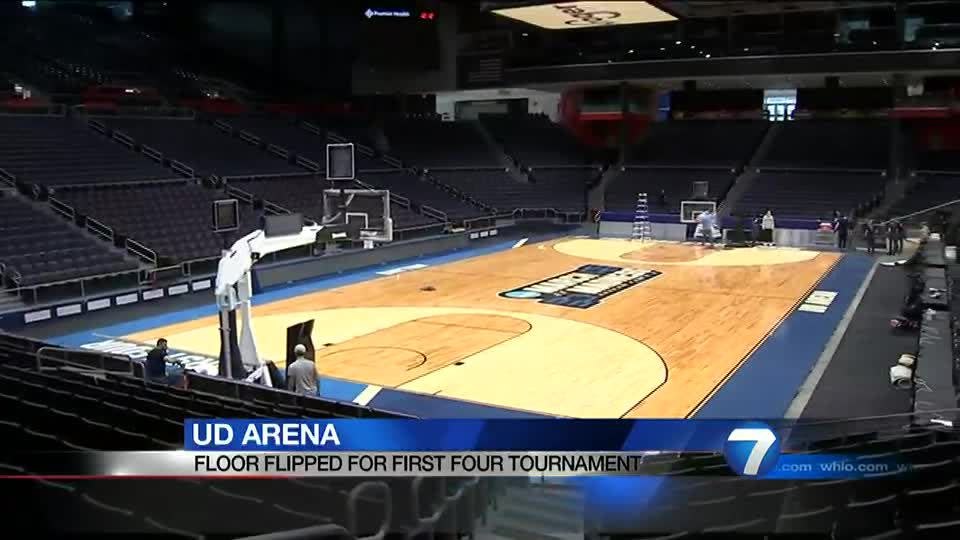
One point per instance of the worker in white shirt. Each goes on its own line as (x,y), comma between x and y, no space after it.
(768,224)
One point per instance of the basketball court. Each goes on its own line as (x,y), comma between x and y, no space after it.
(577,326)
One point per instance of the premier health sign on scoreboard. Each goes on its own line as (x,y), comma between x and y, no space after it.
(573,15)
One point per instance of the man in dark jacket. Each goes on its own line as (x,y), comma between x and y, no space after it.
(156,366)
(841,225)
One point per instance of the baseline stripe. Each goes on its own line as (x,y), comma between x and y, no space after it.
(367,395)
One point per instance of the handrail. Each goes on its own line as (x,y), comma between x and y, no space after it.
(63,208)
(434,212)
(123,139)
(390,160)
(182,168)
(312,128)
(8,177)
(141,251)
(308,163)
(250,138)
(278,150)
(223,126)
(97,126)
(100,229)
(240,194)
(924,211)
(275,208)
(151,153)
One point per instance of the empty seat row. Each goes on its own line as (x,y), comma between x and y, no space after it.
(57,151)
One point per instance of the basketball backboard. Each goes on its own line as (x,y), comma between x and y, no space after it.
(366,211)
(689,210)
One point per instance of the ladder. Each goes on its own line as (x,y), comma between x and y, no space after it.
(641,219)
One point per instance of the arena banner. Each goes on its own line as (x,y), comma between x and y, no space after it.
(574,15)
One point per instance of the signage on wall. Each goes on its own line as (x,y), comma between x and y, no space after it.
(376,13)
(371,13)
(573,15)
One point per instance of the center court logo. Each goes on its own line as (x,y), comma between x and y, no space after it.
(582,17)
(582,288)
(752,450)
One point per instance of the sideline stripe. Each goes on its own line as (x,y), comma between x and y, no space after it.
(520,243)
(367,395)
(805,392)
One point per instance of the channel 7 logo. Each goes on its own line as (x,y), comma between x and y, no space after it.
(752,450)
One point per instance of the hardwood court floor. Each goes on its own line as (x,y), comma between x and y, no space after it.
(656,349)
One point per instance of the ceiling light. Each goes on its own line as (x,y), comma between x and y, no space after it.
(708,56)
(524,34)
(745,49)
(663,48)
(678,42)
(631,51)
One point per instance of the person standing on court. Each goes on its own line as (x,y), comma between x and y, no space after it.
(768,224)
(302,373)
(706,220)
(842,227)
(898,234)
(870,236)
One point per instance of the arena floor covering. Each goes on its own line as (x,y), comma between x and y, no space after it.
(576,326)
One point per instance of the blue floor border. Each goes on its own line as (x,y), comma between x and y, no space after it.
(765,385)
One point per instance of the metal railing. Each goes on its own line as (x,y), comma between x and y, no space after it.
(63,209)
(278,151)
(100,229)
(921,212)
(312,128)
(8,177)
(250,138)
(182,168)
(96,125)
(308,163)
(124,139)
(434,213)
(223,126)
(152,153)
(390,160)
(239,194)
(141,251)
